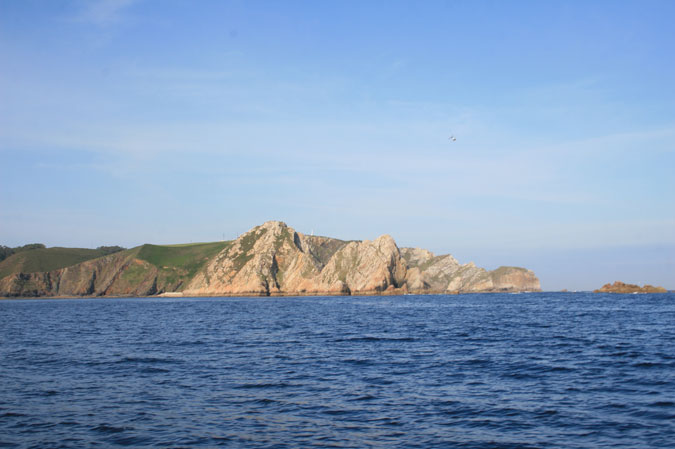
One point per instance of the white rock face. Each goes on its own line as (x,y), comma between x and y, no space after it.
(366,266)
(264,260)
(275,259)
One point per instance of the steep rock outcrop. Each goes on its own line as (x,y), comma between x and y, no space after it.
(514,279)
(427,271)
(367,266)
(270,259)
(275,259)
(445,274)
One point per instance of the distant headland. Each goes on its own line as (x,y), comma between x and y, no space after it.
(270,259)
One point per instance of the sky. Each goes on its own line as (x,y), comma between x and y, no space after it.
(125,122)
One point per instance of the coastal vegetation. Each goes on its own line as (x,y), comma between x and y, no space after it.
(36,257)
(185,259)
(270,259)
(6,251)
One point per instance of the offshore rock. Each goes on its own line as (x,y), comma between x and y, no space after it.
(620,287)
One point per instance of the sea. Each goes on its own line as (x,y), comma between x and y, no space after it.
(530,370)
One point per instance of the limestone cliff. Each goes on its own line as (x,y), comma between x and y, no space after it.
(445,273)
(270,259)
(275,259)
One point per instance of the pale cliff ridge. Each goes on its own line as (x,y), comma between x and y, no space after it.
(444,273)
(269,259)
(367,266)
(273,259)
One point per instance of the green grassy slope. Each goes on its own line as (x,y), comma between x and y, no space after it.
(143,270)
(46,259)
(179,263)
(323,248)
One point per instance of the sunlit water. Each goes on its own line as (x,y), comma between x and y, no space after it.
(496,370)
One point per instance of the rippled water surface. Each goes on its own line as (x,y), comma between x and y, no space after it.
(498,370)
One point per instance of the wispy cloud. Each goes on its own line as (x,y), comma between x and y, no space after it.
(103,12)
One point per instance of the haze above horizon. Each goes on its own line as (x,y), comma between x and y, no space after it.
(127,121)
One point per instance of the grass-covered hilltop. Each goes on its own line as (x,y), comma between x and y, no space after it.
(36,257)
(270,259)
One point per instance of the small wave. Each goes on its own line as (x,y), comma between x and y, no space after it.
(131,441)
(154,370)
(654,415)
(650,365)
(146,360)
(520,376)
(395,434)
(358,361)
(444,403)
(559,369)
(386,421)
(378,380)
(460,412)
(475,362)
(105,428)
(69,423)
(628,354)
(615,405)
(191,343)
(264,401)
(131,360)
(337,412)
(249,386)
(374,339)
(367,397)
(662,404)
(645,382)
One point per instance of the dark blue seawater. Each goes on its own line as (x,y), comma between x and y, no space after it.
(469,371)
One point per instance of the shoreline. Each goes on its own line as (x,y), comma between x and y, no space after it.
(178,295)
(275,294)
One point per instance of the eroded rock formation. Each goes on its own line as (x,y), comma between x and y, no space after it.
(274,259)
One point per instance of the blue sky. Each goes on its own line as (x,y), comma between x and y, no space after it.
(131,121)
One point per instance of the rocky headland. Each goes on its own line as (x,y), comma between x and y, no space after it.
(270,259)
(620,287)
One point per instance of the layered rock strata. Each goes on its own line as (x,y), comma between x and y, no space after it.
(274,259)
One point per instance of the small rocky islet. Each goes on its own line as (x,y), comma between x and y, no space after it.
(270,259)
(621,287)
